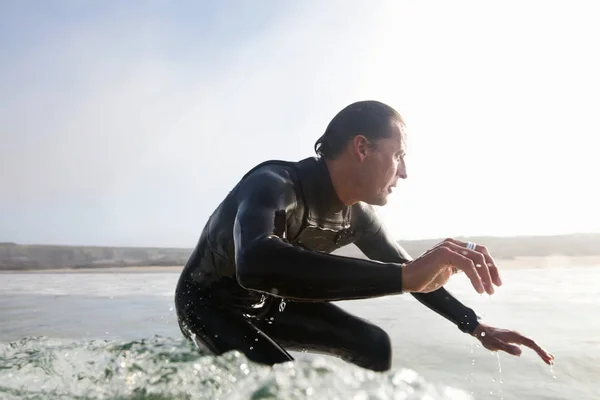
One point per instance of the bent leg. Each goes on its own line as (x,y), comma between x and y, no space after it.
(328,329)
(222,330)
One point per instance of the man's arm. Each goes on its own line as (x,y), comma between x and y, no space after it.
(380,245)
(265,262)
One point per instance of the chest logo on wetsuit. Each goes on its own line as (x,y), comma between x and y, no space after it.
(324,240)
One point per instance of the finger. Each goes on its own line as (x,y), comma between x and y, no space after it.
(479,261)
(506,347)
(532,344)
(516,337)
(490,262)
(448,256)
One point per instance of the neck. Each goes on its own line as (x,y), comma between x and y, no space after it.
(342,179)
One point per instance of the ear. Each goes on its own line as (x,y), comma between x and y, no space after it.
(360,147)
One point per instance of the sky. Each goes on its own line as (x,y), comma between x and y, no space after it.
(127,123)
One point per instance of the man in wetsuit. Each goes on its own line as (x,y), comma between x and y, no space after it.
(261,279)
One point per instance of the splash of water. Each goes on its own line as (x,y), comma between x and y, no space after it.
(162,368)
(473,364)
(500,380)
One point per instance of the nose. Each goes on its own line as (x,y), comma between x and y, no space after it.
(401,170)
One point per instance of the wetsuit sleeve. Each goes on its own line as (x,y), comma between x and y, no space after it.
(378,244)
(266,262)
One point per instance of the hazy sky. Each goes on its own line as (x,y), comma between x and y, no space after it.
(126,123)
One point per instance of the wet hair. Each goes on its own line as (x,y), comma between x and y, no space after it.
(369,118)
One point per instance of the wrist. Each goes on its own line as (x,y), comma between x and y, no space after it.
(480,330)
(403,279)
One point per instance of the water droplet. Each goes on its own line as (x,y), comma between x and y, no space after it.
(499,365)
(553,373)
(171,309)
(256,340)
(282,306)
(482,334)
(216,335)
(251,347)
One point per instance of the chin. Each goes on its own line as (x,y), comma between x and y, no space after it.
(378,201)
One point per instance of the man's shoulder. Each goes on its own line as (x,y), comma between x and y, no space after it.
(270,171)
(276,169)
(270,178)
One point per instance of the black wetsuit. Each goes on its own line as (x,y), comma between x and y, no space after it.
(266,248)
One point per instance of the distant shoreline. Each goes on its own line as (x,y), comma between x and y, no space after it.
(517,263)
(509,252)
(98,270)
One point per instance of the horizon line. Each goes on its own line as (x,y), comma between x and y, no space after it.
(488,236)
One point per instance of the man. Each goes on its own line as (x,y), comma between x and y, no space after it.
(261,278)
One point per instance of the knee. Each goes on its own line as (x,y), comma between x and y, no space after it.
(375,349)
(380,348)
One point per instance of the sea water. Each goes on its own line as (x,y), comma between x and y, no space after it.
(115,336)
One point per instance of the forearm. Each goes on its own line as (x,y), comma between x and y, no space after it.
(381,246)
(442,302)
(271,265)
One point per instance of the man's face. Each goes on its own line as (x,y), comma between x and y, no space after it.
(383,165)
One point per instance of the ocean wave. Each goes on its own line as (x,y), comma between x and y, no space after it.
(161,368)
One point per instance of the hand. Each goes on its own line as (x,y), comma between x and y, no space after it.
(495,339)
(435,267)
